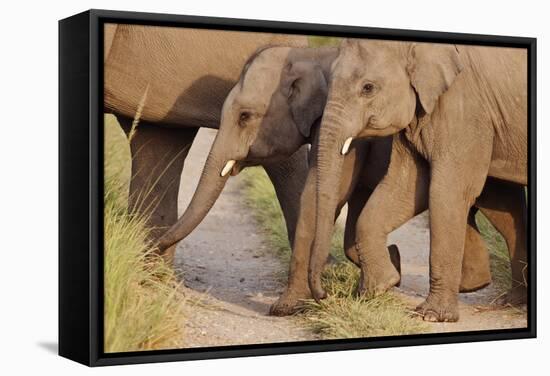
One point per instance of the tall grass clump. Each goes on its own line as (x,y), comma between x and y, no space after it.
(143,301)
(342,314)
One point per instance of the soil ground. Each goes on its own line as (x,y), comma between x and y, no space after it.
(234,278)
(228,268)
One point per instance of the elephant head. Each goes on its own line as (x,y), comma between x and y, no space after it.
(377,88)
(268,115)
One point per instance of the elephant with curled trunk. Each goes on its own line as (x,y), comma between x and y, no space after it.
(274,110)
(173,81)
(458,112)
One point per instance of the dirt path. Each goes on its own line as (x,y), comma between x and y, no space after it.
(228,270)
(226,266)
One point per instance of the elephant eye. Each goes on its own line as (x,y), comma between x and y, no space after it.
(293,88)
(244,117)
(368,89)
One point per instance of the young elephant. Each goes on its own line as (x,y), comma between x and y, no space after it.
(363,168)
(272,111)
(266,117)
(462,111)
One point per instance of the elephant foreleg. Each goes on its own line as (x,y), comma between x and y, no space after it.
(298,287)
(400,195)
(158,155)
(356,203)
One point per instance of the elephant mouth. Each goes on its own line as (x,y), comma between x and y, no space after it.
(231,167)
(237,168)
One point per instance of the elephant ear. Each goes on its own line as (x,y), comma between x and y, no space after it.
(432,68)
(307,91)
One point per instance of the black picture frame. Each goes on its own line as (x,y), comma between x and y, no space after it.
(81,187)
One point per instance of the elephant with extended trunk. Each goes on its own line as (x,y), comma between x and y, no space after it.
(461,111)
(171,81)
(272,111)
(266,118)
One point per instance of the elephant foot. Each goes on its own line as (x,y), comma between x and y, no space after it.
(438,308)
(516,296)
(290,302)
(380,279)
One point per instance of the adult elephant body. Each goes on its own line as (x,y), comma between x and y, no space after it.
(460,109)
(175,80)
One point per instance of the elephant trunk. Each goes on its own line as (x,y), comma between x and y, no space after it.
(332,147)
(214,175)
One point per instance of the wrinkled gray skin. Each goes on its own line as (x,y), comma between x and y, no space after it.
(283,91)
(182,76)
(462,116)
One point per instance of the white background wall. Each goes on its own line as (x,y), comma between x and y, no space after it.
(28,185)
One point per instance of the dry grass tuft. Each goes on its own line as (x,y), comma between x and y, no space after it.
(342,314)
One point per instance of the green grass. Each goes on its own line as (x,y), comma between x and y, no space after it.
(266,210)
(342,314)
(143,301)
(260,196)
(498,253)
(315,41)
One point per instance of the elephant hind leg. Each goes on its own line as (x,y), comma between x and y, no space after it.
(401,195)
(158,156)
(476,268)
(289,178)
(505,206)
(298,288)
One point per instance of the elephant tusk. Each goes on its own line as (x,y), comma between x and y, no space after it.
(347,143)
(228,167)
